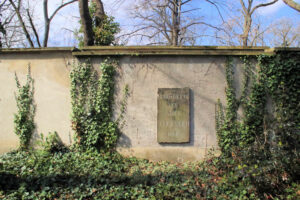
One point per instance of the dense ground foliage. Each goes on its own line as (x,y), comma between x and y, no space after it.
(95,175)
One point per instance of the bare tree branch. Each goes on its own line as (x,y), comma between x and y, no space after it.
(2,3)
(262,5)
(243,6)
(21,21)
(33,27)
(48,20)
(285,33)
(247,13)
(292,4)
(217,7)
(60,7)
(172,18)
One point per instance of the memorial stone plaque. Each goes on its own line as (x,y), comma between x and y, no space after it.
(173,123)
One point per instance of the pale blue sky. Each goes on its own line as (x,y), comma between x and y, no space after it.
(68,18)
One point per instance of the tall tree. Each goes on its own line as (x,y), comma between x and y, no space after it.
(248,10)
(285,33)
(230,33)
(292,4)
(27,23)
(169,22)
(96,26)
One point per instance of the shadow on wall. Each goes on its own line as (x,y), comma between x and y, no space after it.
(124,141)
(137,65)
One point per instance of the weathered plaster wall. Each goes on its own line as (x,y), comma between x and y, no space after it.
(201,70)
(52,97)
(144,75)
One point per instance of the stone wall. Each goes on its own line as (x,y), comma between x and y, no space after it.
(144,70)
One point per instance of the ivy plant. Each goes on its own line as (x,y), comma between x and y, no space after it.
(92,105)
(24,118)
(233,132)
(227,124)
(281,74)
(263,145)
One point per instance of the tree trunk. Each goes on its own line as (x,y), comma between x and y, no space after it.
(100,14)
(1,31)
(247,27)
(247,12)
(292,4)
(47,23)
(86,21)
(175,19)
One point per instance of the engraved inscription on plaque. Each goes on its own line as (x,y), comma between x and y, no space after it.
(173,123)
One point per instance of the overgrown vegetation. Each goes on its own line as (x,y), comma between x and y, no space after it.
(100,175)
(94,175)
(262,148)
(24,118)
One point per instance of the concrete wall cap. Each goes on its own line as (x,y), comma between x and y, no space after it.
(154,50)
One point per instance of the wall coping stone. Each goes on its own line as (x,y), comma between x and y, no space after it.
(154,50)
